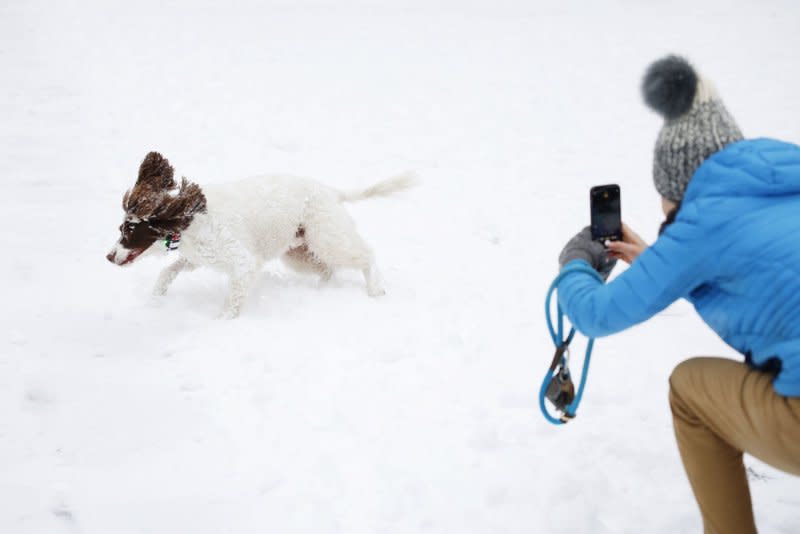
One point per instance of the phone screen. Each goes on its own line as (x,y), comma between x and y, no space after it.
(606,213)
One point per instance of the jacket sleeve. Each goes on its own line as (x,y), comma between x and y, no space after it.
(670,269)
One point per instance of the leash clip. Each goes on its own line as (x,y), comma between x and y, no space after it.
(561,391)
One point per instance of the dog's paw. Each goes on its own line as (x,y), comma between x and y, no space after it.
(229,313)
(324,279)
(376,291)
(159,291)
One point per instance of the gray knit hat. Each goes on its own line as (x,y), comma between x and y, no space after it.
(696,123)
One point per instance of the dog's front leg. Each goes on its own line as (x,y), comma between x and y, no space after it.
(243,270)
(240,284)
(169,273)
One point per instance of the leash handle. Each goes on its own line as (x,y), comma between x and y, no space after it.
(561,344)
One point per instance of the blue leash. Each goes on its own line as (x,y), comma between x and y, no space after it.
(559,369)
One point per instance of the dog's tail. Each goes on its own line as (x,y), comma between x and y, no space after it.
(390,186)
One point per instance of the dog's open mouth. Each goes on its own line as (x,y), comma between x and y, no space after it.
(132,255)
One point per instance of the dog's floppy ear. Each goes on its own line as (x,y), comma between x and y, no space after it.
(177,213)
(156,172)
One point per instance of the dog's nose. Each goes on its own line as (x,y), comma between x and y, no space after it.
(111,255)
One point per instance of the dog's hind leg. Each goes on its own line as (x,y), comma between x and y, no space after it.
(374,280)
(169,273)
(302,260)
(332,238)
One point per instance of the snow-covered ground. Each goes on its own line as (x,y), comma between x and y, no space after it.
(319,409)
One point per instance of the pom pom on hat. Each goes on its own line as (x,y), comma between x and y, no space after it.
(669,86)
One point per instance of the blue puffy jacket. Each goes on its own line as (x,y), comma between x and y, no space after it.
(733,252)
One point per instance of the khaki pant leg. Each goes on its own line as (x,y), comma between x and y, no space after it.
(720,409)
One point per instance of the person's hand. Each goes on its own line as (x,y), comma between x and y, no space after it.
(629,248)
(581,247)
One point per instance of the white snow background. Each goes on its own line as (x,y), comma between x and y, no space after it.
(320,409)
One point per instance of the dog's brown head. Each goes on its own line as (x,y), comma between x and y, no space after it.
(155,208)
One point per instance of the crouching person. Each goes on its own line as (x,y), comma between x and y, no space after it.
(731,246)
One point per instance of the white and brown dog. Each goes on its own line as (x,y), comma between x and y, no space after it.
(235,228)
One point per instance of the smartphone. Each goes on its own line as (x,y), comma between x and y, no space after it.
(606,213)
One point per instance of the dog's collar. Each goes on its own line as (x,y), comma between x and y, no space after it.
(172,241)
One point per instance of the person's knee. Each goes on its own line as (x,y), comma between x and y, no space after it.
(682,375)
(682,383)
